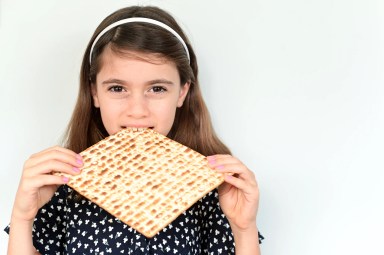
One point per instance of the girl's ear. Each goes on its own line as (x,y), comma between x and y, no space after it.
(95,96)
(183,94)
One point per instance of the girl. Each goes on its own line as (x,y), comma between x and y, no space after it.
(139,70)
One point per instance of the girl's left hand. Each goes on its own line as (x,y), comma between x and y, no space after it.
(239,194)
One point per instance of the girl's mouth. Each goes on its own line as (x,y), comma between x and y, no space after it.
(133,126)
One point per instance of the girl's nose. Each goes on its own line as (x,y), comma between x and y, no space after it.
(137,107)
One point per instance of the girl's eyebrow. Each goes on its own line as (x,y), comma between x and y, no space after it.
(109,81)
(160,81)
(151,82)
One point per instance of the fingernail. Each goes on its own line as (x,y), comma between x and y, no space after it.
(211,159)
(79,161)
(77,170)
(65,179)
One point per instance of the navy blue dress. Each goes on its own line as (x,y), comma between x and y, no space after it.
(77,226)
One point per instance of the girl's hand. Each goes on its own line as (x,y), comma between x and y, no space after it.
(37,184)
(239,194)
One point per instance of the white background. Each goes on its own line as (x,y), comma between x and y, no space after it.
(295,88)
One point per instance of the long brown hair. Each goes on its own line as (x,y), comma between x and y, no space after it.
(192,126)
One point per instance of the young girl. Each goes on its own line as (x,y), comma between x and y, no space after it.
(139,70)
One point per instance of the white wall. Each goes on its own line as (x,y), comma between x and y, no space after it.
(295,88)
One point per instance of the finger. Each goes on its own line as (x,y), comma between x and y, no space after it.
(228,163)
(216,160)
(212,158)
(234,181)
(56,153)
(236,168)
(240,184)
(61,154)
(222,156)
(224,163)
(240,172)
(55,148)
(45,180)
(49,166)
(231,168)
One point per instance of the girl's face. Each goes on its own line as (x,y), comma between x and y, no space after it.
(133,92)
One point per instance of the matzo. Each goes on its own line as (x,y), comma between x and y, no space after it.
(144,178)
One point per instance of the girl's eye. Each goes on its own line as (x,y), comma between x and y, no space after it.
(116,88)
(158,89)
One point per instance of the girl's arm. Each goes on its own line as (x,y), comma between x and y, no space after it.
(20,238)
(247,242)
(37,186)
(239,200)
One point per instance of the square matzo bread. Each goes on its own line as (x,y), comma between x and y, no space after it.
(144,178)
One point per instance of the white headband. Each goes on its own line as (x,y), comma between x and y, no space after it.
(138,19)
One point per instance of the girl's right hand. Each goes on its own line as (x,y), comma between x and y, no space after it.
(37,184)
